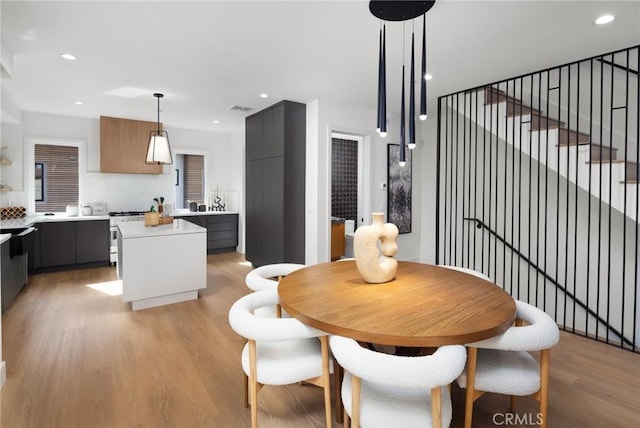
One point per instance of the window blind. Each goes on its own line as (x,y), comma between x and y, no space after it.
(60,176)
(193,178)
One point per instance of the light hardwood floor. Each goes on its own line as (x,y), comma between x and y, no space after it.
(77,357)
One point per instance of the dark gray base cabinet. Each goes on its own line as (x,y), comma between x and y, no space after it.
(222,231)
(70,243)
(13,275)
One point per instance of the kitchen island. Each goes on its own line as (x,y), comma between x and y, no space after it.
(162,264)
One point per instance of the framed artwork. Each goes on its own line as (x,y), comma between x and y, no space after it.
(399,189)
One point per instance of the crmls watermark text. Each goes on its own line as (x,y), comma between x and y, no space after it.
(506,419)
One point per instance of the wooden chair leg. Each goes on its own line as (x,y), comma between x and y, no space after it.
(345,417)
(472,358)
(436,407)
(513,403)
(355,401)
(544,385)
(245,387)
(253,384)
(326,378)
(338,372)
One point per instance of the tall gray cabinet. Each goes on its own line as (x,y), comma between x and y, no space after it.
(275,184)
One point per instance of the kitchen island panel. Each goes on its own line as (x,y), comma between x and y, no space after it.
(163,264)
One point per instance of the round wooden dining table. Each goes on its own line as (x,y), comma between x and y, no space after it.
(423,306)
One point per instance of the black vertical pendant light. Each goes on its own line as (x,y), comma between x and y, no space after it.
(382,82)
(401,10)
(402,140)
(412,97)
(423,75)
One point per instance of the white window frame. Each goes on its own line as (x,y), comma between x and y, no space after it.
(29,168)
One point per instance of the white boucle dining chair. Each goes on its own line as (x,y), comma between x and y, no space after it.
(467,270)
(504,365)
(279,351)
(384,390)
(268,277)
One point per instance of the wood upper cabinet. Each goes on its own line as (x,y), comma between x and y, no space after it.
(123,146)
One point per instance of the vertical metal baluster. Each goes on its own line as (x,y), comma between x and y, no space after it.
(555,311)
(438,172)
(610,199)
(475,181)
(546,187)
(529,209)
(568,181)
(599,198)
(637,178)
(575,221)
(588,263)
(468,182)
(450,111)
(538,186)
(484,174)
(490,180)
(624,206)
(504,211)
(513,186)
(454,184)
(464,176)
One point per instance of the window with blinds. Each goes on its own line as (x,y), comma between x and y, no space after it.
(193,178)
(56,177)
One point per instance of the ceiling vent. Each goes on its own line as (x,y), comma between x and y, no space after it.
(240,108)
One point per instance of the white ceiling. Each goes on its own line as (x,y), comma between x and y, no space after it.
(208,55)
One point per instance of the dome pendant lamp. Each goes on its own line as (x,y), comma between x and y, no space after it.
(159,150)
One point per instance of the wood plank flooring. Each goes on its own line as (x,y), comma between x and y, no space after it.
(77,357)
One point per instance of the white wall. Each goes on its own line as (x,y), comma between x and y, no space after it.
(323,118)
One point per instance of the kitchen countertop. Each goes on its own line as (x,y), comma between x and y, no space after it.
(4,237)
(186,212)
(137,229)
(30,220)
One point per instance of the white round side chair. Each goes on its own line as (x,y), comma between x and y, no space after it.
(279,351)
(503,364)
(384,390)
(268,277)
(467,270)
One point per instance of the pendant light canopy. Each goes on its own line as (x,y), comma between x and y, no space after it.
(401,11)
(159,150)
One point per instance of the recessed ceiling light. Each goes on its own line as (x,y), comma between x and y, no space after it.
(428,77)
(263,95)
(68,56)
(605,19)
(216,121)
(78,103)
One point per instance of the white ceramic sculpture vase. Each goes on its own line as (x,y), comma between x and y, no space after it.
(374,267)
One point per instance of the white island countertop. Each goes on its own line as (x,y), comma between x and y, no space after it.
(137,229)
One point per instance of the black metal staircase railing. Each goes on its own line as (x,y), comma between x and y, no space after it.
(546,164)
(481,225)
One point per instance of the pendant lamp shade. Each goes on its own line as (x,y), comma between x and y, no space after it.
(159,150)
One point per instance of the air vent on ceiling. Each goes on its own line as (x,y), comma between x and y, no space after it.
(240,108)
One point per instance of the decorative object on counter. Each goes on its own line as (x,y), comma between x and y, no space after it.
(7,213)
(159,150)
(4,188)
(193,206)
(373,267)
(151,218)
(72,210)
(99,208)
(160,201)
(165,220)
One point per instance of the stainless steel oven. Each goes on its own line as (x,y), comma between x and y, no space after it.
(116,217)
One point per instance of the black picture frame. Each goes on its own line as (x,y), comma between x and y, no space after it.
(39,181)
(399,189)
